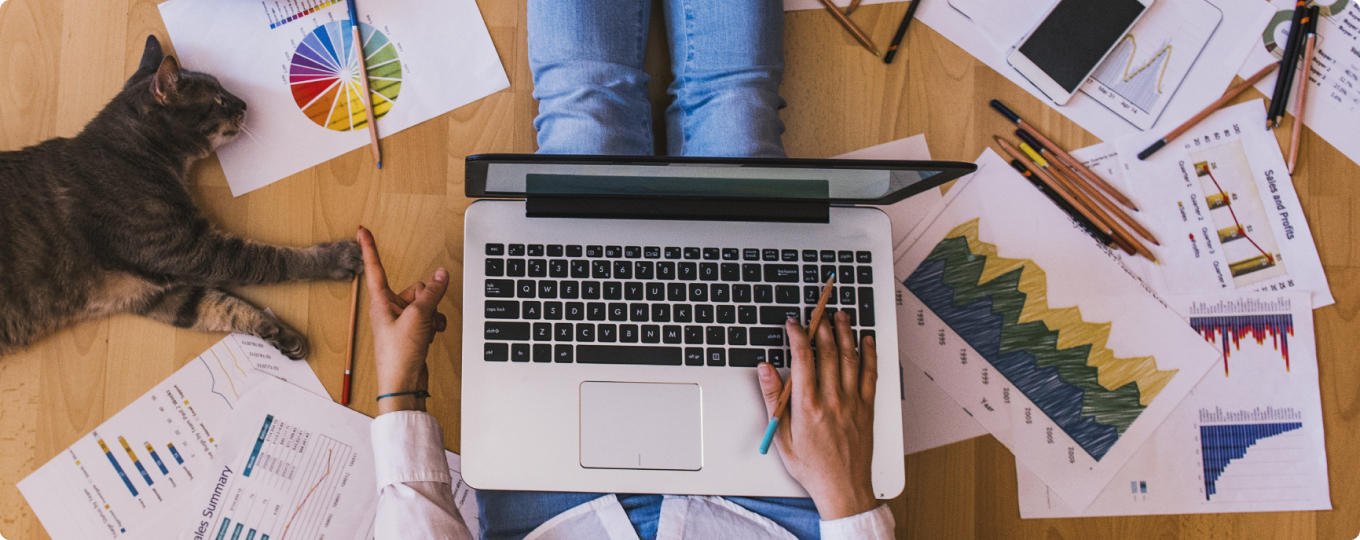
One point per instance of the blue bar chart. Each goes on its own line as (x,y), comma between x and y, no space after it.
(1222,444)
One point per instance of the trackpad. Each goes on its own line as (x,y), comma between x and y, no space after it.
(641,426)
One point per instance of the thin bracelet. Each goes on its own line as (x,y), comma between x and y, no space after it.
(419,394)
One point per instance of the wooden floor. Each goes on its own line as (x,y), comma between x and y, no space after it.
(62,60)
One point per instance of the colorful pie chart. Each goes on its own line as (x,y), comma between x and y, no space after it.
(324,75)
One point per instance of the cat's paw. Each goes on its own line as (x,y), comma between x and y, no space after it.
(290,343)
(340,261)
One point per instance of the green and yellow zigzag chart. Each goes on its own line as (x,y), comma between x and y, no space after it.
(1057,359)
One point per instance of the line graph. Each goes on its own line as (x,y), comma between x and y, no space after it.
(1118,73)
(1238,213)
(308,496)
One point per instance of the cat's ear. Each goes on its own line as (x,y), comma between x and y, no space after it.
(166,81)
(151,56)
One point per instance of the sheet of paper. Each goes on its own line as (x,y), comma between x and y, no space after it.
(1039,320)
(130,476)
(295,65)
(904,215)
(1334,81)
(1221,200)
(1249,438)
(464,496)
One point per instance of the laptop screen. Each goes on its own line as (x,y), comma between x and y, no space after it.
(835,181)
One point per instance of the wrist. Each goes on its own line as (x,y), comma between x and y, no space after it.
(842,505)
(401,403)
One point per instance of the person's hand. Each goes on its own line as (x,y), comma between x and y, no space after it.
(404,325)
(826,438)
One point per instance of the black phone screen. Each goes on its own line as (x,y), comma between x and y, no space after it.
(1076,35)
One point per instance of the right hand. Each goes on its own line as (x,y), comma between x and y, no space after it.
(826,437)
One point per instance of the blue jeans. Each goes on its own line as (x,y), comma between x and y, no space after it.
(727,57)
(511,515)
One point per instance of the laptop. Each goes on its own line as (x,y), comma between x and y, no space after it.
(615,308)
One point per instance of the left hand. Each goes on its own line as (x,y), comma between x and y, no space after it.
(404,325)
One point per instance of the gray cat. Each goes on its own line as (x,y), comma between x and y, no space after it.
(103,222)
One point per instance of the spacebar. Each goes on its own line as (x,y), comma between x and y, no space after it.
(651,356)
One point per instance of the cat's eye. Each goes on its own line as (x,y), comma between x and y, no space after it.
(218,99)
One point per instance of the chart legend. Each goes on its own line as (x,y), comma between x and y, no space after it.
(324,75)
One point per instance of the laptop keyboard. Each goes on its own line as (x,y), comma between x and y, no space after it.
(665,306)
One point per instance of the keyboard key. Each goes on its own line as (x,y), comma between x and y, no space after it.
(750,272)
(672,253)
(552,311)
(828,271)
(628,333)
(594,251)
(727,314)
(786,294)
(519,352)
(828,256)
(495,267)
(590,290)
(655,292)
(694,335)
(670,334)
(845,256)
(502,309)
(569,290)
(618,312)
(497,352)
(555,250)
(771,336)
(547,289)
(651,252)
(574,251)
(535,250)
(562,332)
(575,311)
(599,269)
(585,332)
(776,357)
(632,252)
(781,273)
(687,271)
(557,268)
(683,312)
(495,250)
(562,354)
(665,270)
(750,254)
(643,270)
(525,288)
(711,254)
(864,257)
(691,253)
(865,274)
(542,353)
(747,315)
(596,311)
(811,294)
(847,296)
(731,272)
(618,354)
(866,306)
(651,333)
(607,333)
(638,312)
(532,310)
(868,333)
(516,250)
(661,312)
(694,356)
(736,335)
(728,254)
(809,255)
(714,335)
(746,357)
(777,315)
(708,271)
(514,267)
(500,288)
(543,331)
(810,273)
(846,275)
(698,292)
(613,252)
(717,357)
(623,270)
(764,294)
(769,254)
(675,292)
(506,331)
(632,290)
(741,293)
(703,313)
(613,290)
(720,292)
(580,268)
(788,255)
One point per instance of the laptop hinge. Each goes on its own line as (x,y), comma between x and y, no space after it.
(685,209)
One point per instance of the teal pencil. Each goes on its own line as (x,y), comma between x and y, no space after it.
(783,403)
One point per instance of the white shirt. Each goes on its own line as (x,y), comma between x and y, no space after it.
(415,501)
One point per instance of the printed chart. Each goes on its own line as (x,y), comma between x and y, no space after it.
(325,80)
(1222,324)
(1249,441)
(281,12)
(1241,224)
(1147,66)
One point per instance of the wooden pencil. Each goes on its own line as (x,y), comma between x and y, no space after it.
(1064,169)
(850,27)
(854,4)
(1303,98)
(363,80)
(782,405)
(1228,96)
(349,343)
(1063,156)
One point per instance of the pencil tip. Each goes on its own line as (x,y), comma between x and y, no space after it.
(379,164)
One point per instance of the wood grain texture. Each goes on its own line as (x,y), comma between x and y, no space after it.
(62,60)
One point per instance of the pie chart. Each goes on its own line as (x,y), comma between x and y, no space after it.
(324,75)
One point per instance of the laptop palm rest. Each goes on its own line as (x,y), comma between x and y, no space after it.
(641,426)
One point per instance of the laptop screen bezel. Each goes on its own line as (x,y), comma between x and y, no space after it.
(476,167)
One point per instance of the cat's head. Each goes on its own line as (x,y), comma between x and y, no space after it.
(186,102)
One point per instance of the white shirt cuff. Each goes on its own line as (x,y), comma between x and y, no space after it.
(408,446)
(876,524)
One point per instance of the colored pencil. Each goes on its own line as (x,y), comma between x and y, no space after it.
(1303,98)
(1095,195)
(850,27)
(783,404)
(901,31)
(349,343)
(1086,174)
(1228,96)
(854,4)
(363,79)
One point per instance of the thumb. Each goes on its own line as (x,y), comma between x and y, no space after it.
(770,386)
(428,298)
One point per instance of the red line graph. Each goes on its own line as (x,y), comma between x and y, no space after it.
(309,495)
(1227,201)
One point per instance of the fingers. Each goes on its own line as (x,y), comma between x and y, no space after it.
(427,299)
(440,322)
(770,386)
(845,342)
(828,364)
(373,268)
(803,376)
(868,380)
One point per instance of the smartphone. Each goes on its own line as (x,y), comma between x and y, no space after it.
(1070,41)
